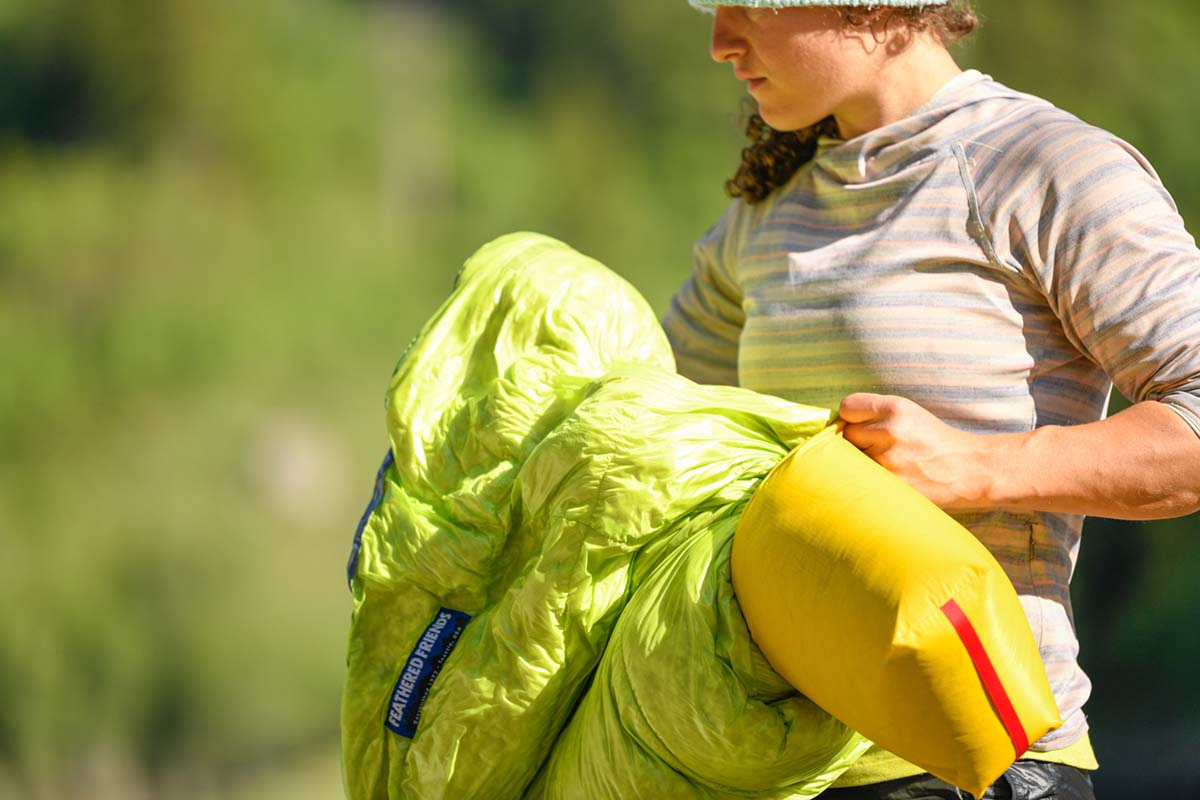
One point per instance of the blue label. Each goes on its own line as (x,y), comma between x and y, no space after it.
(376,497)
(421,670)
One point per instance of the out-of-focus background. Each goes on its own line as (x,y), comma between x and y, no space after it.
(220,224)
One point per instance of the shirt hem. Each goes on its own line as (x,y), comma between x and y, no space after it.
(879,766)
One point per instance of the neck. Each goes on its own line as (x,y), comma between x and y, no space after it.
(902,76)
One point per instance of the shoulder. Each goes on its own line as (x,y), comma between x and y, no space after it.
(1063,200)
(1023,143)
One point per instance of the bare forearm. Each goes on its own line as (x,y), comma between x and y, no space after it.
(1142,463)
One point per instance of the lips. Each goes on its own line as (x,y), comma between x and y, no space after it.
(752,81)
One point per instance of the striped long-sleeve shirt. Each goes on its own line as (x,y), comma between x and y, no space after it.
(990,257)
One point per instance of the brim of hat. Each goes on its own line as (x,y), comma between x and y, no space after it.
(708,5)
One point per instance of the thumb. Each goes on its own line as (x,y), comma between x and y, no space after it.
(861,407)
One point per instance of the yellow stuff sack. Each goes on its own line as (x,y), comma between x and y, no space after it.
(888,614)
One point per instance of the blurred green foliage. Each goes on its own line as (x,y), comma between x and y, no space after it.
(221,222)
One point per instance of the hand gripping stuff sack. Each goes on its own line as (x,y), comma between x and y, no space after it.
(891,616)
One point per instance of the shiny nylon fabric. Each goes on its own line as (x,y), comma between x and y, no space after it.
(557,481)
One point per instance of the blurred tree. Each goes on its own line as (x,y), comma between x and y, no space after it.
(78,72)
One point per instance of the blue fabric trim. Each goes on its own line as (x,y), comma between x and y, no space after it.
(376,496)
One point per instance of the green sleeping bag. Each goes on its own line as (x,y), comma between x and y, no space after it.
(542,600)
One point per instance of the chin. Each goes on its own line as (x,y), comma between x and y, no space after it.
(784,121)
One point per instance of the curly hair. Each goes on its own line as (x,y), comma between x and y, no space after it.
(772,156)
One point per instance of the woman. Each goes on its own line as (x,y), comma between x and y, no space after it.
(963,271)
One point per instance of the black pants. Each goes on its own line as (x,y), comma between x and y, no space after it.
(1024,780)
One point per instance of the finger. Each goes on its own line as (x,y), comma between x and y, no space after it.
(870,438)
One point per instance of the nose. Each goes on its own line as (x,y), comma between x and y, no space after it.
(727,39)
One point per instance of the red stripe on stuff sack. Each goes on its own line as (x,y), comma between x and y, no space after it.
(987,674)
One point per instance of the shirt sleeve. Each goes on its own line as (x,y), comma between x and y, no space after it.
(1109,250)
(705,319)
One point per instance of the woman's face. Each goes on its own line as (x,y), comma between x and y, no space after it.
(798,63)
